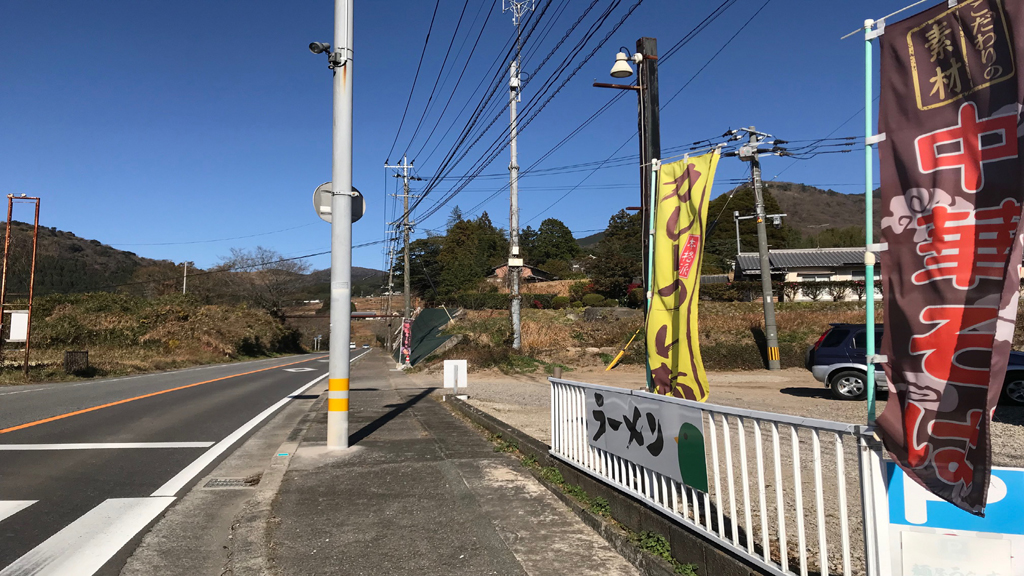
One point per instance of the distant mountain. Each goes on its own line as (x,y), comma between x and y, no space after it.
(66,262)
(810,210)
(365,281)
(590,241)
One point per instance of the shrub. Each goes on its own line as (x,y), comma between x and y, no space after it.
(743,291)
(837,290)
(578,289)
(813,290)
(791,290)
(859,289)
(477,301)
(539,300)
(592,300)
(559,302)
(609,303)
(636,298)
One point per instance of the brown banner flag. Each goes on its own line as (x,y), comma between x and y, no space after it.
(951,203)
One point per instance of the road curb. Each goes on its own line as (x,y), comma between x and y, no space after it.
(250,531)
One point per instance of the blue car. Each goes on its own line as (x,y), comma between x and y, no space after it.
(838,359)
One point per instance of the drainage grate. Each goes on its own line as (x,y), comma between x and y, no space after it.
(232,482)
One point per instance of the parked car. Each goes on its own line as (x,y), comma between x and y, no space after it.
(839,360)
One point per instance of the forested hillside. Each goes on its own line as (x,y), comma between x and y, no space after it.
(65,262)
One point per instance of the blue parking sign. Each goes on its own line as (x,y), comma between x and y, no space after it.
(912,505)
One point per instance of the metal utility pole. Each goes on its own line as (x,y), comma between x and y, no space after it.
(340,62)
(515,260)
(406,228)
(750,153)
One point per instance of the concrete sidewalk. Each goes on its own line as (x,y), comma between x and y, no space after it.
(420,493)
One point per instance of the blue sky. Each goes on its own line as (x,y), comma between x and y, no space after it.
(160,127)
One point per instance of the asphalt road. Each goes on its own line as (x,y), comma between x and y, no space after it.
(87,467)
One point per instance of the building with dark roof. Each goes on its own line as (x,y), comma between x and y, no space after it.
(807,265)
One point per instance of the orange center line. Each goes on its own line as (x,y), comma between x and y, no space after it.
(151,394)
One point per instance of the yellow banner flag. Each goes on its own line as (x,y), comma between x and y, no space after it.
(681,208)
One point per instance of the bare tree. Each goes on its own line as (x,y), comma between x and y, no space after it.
(261,277)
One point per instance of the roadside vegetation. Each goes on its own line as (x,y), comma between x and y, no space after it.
(731,336)
(128,334)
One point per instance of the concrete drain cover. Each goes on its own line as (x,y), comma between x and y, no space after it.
(232,482)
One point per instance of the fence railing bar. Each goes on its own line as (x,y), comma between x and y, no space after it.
(741,433)
(843,510)
(707,511)
(678,489)
(765,550)
(801,537)
(718,476)
(780,507)
(727,441)
(819,501)
(867,506)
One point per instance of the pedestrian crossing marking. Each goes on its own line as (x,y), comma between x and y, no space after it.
(85,545)
(9,508)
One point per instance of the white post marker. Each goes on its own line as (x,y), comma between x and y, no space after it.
(455,373)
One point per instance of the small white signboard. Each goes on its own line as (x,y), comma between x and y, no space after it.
(455,374)
(19,326)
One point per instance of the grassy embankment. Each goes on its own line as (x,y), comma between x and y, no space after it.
(126,335)
(729,336)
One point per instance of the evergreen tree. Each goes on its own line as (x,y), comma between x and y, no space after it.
(618,257)
(553,241)
(720,247)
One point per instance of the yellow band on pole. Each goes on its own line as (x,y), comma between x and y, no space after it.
(338,385)
(337,404)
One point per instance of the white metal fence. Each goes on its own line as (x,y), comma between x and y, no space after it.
(792,495)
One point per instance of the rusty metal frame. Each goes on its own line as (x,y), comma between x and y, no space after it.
(31,279)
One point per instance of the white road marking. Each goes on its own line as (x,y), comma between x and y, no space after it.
(9,508)
(300,369)
(172,486)
(86,544)
(53,387)
(103,446)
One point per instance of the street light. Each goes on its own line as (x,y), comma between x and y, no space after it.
(621,68)
(646,88)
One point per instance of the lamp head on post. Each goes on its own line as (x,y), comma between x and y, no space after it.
(621,68)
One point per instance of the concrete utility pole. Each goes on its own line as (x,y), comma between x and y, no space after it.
(184,279)
(750,153)
(340,61)
(515,260)
(406,228)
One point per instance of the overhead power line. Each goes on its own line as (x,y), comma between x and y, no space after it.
(414,78)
